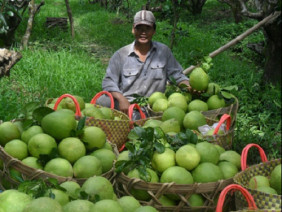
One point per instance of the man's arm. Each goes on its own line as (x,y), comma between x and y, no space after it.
(123,102)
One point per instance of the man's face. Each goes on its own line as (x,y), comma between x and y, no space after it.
(143,33)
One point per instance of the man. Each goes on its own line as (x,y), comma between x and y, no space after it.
(141,67)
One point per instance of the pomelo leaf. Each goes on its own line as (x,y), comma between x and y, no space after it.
(226,95)
(230,88)
(40,112)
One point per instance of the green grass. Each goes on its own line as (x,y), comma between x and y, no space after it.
(55,63)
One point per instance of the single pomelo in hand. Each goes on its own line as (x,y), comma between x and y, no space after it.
(171,125)
(187,157)
(60,167)
(31,131)
(13,200)
(193,120)
(162,161)
(174,113)
(106,157)
(41,143)
(128,203)
(93,137)
(154,96)
(43,204)
(207,172)
(208,152)
(198,79)
(72,149)
(258,181)
(177,175)
(87,166)
(98,187)
(58,124)
(160,105)
(72,188)
(17,149)
(8,132)
(198,105)
(32,162)
(60,196)
(228,169)
(215,102)
(79,205)
(275,179)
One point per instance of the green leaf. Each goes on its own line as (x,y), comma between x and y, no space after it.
(160,148)
(230,88)
(44,158)
(208,59)
(10,13)
(40,112)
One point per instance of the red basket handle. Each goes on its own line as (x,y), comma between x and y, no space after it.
(223,118)
(130,113)
(244,155)
(97,96)
(233,187)
(78,112)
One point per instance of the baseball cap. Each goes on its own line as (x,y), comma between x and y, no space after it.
(144,17)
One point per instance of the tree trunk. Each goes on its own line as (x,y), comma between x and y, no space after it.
(196,6)
(272,69)
(8,59)
(70,18)
(236,11)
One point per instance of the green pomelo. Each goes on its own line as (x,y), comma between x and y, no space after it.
(175,94)
(41,144)
(141,194)
(160,105)
(32,162)
(187,157)
(107,205)
(198,105)
(93,137)
(106,157)
(174,112)
(267,189)
(178,101)
(170,125)
(93,112)
(214,102)
(31,131)
(213,88)
(60,196)
(43,204)
(108,146)
(188,97)
(275,179)
(124,155)
(152,123)
(211,131)
(196,200)
(13,201)
(87,166)
(198,79)
(154,96)
(69,103)
(8,132)
(231,156)
(128,203)
(176,174)
(258,181)
(165,201)
(20,125)
(208,152)
(162,161)
(67,111)
(87,105)
(98,187)
(58,124)
(16,148)
(207,172)
(193,120)
(60,167)
(219,148)
(72,188)
(146,208)
(72,149)
(79,205)
(107,112)
(228,169)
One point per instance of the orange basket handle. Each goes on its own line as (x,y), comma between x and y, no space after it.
(244,155)
(97,96)
(223,118)
(233,187)
(78,112)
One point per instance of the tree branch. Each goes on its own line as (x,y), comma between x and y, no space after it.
(258,15)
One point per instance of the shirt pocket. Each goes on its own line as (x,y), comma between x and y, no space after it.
(158,71)
(129,76)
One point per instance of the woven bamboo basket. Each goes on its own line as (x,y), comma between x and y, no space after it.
(116,130)
(29,173)
(263,200)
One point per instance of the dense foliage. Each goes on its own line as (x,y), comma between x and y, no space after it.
(55,63)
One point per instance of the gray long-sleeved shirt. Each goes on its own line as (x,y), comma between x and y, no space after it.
(128,75)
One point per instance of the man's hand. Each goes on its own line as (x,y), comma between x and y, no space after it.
(123,102)
(190,89)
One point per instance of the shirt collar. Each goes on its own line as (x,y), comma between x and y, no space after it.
(131,48)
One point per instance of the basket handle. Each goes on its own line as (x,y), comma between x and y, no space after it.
(223,118)
(130,113)
(78,112)
(233,187)
(97,96)
(244,155)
